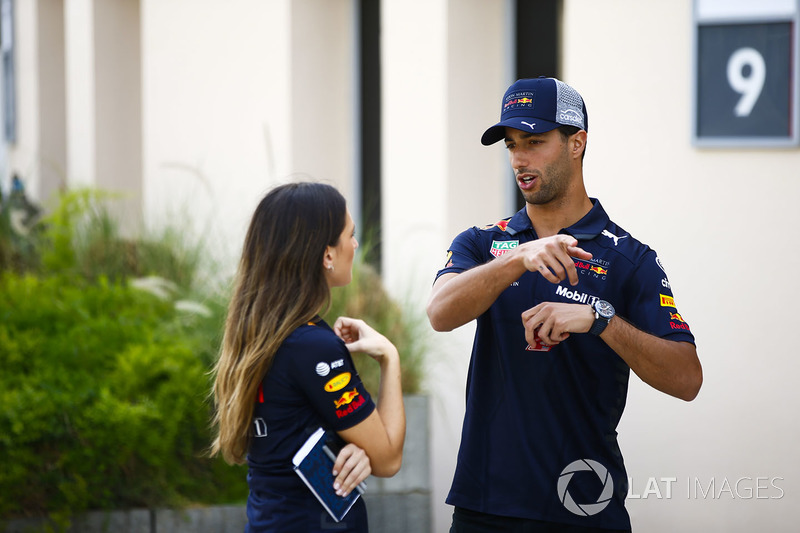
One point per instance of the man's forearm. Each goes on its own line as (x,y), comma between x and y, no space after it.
(669,366)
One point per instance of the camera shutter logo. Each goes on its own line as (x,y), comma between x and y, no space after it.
(585,509)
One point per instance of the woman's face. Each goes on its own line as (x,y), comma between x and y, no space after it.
(339,258)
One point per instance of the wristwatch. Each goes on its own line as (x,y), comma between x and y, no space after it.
(603,313)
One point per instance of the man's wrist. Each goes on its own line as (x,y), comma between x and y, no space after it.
(603,313)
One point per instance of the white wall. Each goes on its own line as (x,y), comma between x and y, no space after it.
(442,69)
(723,222)
(239,96)
(39,155)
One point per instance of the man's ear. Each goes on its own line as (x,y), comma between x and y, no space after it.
(578,143)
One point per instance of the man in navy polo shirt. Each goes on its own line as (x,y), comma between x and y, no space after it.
(567,303)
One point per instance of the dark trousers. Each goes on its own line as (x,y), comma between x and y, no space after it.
(466,521)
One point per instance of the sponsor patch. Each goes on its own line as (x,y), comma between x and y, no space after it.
(575,296)
(667,301)
(259,428)
(500,248)
(519,99)
(352,407)
(338,383)
(447,262)
(323,369)
(596,268)
(613,237)
(503,224)
(346,398)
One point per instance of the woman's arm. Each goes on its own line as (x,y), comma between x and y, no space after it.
(382,434)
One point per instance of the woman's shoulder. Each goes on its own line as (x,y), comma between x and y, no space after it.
(312,350)
(311,340)
(314,331)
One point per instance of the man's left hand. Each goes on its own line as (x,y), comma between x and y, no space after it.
(553,322)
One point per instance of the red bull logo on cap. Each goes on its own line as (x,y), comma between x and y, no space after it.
(523,98)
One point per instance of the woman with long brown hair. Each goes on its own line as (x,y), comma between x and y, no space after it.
(283,372)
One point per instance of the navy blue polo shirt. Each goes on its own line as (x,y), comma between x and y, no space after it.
(539,438)
(312,383)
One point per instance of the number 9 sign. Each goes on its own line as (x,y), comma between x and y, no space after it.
(748,86)
(745,84)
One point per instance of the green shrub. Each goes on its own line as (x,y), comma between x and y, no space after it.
(102,400)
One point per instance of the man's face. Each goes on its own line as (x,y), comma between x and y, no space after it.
(541,164)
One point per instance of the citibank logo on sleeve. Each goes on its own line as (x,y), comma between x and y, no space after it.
(500,248)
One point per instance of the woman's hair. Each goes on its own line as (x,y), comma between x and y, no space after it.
(280,285)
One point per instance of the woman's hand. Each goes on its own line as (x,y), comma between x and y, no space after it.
(359,337)
(352,466)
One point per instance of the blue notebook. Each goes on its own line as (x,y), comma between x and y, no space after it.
(313,462)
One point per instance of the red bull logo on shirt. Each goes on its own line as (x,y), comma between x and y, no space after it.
(500,248)
(352,399)
(592,268)
(676,316)
(346,398)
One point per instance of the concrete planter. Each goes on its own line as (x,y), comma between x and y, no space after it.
(396,505)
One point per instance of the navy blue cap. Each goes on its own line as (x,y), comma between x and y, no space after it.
(538,105)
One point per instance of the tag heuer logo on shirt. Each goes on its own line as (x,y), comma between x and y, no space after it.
(502,247)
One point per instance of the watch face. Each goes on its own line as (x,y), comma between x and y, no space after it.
(604,309)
